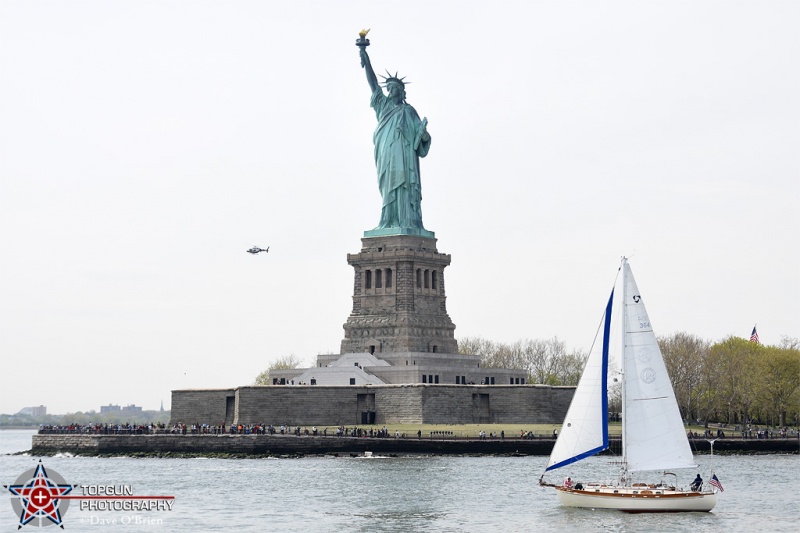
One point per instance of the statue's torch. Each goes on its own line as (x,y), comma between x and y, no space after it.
(362,42)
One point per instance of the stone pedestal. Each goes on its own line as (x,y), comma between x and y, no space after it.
(399,297)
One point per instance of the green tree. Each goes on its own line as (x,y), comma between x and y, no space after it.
(492,353)
(684,355)
(570,368)
(781,370)
(708,397)
(542,360)
(546,361)
(790,343)
(740,381)
(504,356)
(287,362)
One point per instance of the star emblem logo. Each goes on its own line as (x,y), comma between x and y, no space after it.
(37,497)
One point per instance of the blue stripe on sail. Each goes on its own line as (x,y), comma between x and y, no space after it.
(578,457)
(604,387)
(604,374)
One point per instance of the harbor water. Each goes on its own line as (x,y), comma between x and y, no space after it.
(369,494)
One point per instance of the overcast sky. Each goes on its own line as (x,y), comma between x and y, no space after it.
(145,146)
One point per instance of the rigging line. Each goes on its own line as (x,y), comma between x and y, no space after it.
(603,315)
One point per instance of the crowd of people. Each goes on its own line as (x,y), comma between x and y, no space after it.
(750,431)
(248,429)
(213,429)
(707,434)
(746,431)
(103,429)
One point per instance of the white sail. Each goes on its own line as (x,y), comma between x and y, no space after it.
(654,437)
(585,429)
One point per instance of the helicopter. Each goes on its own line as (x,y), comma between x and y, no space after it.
(255,249)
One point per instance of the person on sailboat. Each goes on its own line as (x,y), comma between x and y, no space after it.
(568,482)
(697,483)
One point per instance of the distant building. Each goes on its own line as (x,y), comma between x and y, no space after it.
(33,411)
(117,409)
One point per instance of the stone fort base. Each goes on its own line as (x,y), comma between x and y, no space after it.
(373,404)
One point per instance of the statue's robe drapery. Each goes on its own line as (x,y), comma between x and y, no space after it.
(397,161)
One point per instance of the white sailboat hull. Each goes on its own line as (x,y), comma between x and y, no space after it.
(636,500)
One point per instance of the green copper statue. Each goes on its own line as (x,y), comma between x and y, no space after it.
(400,138)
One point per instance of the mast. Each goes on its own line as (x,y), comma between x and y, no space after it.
(624,341)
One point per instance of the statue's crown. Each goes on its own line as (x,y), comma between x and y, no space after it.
(393,79)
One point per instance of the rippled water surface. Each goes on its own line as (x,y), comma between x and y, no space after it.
(396,494)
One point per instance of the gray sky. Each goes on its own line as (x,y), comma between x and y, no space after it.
(144,146)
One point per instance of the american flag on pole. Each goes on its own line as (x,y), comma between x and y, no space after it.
(754,336)
(715,482)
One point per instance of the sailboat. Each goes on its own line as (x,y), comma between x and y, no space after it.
(653,436)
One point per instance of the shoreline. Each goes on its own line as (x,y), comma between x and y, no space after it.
(227,445)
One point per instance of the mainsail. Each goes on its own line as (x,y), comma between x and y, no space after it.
(585,429)
(654,437)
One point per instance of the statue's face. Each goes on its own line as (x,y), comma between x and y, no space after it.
(396,92)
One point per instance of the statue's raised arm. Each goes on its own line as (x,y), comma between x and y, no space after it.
(371,78)
(401,139)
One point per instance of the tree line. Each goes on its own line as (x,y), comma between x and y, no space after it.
(734,381)
(546,361)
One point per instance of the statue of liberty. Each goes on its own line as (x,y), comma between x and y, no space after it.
(400,139)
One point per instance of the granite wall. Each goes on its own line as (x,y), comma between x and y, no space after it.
(276,445)
(391,404)
(211,406)
(289,444)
